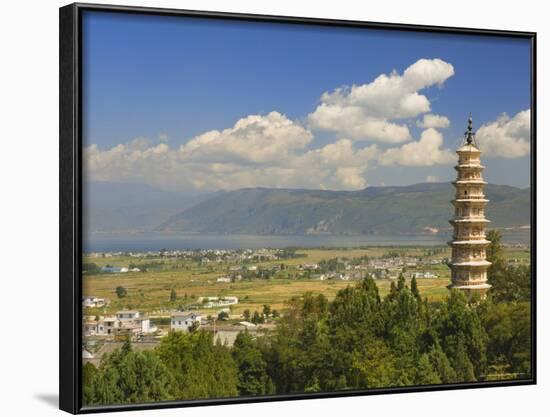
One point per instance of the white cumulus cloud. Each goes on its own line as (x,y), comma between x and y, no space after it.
(253,139)
(372,111)
(433,120)
(506,137)
(258,151)
(427,151)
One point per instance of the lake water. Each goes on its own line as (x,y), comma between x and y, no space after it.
(156,242)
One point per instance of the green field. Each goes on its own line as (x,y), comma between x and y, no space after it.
(149,291)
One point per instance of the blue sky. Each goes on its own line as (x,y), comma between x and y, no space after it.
(169,80)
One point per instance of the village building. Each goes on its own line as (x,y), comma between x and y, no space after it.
(93,302)
(212,302)
(469,264)
(424,274)
(226,334)
(184,320)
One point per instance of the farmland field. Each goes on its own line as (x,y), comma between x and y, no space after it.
(149,289)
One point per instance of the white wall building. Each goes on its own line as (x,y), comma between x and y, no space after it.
(91,301)
(128,321)
(184,320)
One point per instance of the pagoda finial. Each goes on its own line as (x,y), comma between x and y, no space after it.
(469,135)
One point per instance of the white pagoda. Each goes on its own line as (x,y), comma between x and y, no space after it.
(469,264)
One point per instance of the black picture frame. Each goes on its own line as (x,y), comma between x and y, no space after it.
(70,182)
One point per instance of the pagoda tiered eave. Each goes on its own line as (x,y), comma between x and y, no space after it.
(470,200)
(473,182)
(459,166)
(470,220)
(471,263)
(482,286)
(478,242)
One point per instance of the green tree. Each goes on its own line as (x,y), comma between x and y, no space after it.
(125,376)
(441,364)
(266,311)
(494,250)
(144,378)
(400,282)
(173,295)
(462,364)
(509,337)
(89,375)
(199,368)
(508,283)
(246,315)
(257,318)
(373,365)
(121,292)
(252,368)
(194,327)
(426,373)
(414,288)
(463,337)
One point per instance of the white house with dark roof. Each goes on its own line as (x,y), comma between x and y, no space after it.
(184,320)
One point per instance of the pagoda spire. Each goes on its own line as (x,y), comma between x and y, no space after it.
(469,135)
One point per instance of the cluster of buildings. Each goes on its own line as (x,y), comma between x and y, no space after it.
(241,255)
(124,323)
(134,324)
(379,268)
(203,255)
(348,269)
(343,276)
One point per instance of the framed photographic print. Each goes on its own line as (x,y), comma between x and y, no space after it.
(261,208)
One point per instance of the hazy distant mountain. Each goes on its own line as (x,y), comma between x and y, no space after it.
(374,210)
(131,207)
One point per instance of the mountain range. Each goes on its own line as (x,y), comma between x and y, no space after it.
(400,210)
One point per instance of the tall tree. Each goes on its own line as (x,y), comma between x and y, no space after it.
(400,282)
(494,250)
(252,368)
(414,288)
